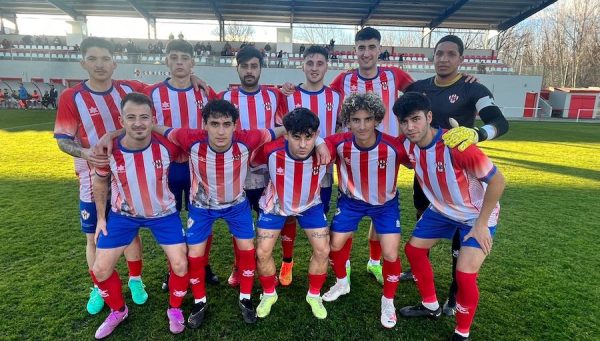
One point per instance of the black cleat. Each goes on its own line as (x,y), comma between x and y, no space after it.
(458,337)
(449,308)
(197,315)
(407,276)
(420,311)
(248,312)
(210,276)
(165,284)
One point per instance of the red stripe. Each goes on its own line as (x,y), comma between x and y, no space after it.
(314,181)
(328,112)
(220,175)
(423,165)
(122,94)
(364,175)
(269,111)
(140,171)
(463,185)
(297,100)
(368,85)
(164,98)
(237,166)
(347,153)
(120,162)
(201,100)
(298,185)
(234,96)
(97,117)
(280,176)
(202,151)
(441,176)
(159,171)
(385,96)
(251,114)
(184,114)
(353,83)
(382,173)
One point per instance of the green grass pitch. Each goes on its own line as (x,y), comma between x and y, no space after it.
(541,282)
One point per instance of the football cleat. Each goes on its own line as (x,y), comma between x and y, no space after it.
(248,312)
(210,276)
(197,315)
(407,276)
(176,320)
(457,337)
(376,271)
(266,302)
(317,307)
(165,283)
(95,302)
(388,313)
(234,278)
(449,308)
(420,311)
(111,322)
(337,290)
(138,293)
(285,273)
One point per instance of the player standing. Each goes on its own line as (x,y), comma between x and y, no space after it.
(260,107)
(325,103)
(452,97)
(86,112)
(368,163)
(138,173)
(464,189)
(219,160)
(293,191)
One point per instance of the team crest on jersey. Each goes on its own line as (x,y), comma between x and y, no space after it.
(453,98)
(237,157)
(85,215)
(158,164)
(315,170)
(120,169)
(329,106)
(268,106)
(93,111)
(382,163)
(279,171)
(384,85)
(199,103)
(439,166)
(354,88)
(165,105)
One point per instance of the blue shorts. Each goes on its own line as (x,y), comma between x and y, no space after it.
(122,230)
(385,218)
(313,218)
(180,183)
(88,216)
(433,225)
(326,198)
(253,196)
(238,217)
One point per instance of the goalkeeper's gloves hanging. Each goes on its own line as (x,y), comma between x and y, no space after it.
(460,137)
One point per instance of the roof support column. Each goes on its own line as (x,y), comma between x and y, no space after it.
(12,17)
(151,28)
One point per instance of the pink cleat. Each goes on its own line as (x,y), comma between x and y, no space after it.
(112,321)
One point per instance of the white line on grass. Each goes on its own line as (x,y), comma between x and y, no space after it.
(27,125)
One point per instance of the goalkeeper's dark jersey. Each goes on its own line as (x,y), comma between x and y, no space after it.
(460,100)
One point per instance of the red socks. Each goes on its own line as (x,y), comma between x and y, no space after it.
(467,298)
(178,288)
(339,258)
(315,283)
(267,283)
(391,277)
(422,271)
(111,290)
(288,236)
(135,268)
(246,267)
(196,271)
(374,249)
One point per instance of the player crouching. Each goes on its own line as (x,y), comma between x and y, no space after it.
(368,163)
(294,190)
(138,170)
(464,189)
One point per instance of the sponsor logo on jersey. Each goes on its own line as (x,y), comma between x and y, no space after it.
(165,105)
(279,171)
(93,111)
(237,157)
(120,169)
(453,98)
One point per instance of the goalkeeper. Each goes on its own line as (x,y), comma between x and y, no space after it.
(455,102)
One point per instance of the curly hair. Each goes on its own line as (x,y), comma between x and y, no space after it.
(369,102)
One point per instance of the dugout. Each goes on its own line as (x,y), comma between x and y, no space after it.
(575,103)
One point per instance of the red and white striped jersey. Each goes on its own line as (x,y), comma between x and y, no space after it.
(85,116)
(387,84)
(368,174)
(326,104)
(294,184)
(218,177)
(262,109)
(453,181)
(140,178)
(179,108)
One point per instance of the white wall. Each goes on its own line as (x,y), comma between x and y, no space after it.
(508,90)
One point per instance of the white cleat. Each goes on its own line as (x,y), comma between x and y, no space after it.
(336,291)
(388,313)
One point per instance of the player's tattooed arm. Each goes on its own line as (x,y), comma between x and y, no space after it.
(73,148)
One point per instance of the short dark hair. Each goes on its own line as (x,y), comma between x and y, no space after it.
(367,33)
(409,103)
(137,98)
(181,46)
(452,39)
(316,49)
(102,43)
(369,102)
(217,108)
(247,53)
(301,121)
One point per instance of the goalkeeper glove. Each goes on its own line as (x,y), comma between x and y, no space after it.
(460,137)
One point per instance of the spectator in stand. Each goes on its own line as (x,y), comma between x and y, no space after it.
(53,96)
(35,99)
(180,36)
(76,48)
(208,48)
(268,48)
(6,44)
(386,55)
(160,46)
(280,58)
(331,44)
(151,48)
(171,36)
(46,100)
(302,48)
(57,41)
(23,97)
